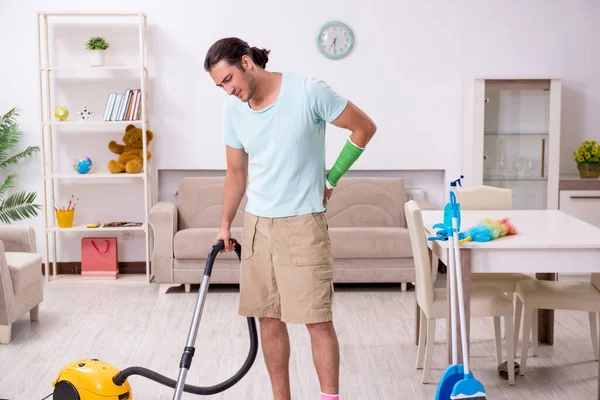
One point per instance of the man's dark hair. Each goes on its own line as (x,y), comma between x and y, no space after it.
(231,50)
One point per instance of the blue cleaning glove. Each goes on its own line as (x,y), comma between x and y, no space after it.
(444,232)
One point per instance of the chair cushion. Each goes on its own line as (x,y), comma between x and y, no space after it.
(195,243)
(370,242)
(485,302)
(506,282)
(25,269)
(578,296)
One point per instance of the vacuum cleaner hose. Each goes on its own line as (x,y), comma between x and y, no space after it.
(122,376)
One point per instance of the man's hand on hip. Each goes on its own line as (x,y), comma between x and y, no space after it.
(327,196)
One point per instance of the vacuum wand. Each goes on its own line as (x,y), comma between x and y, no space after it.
(189,350)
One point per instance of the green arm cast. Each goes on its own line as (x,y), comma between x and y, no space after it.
(349,154)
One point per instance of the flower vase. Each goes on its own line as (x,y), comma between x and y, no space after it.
(97,58)
(589,170)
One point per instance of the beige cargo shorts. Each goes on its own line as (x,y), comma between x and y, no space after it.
(287,268)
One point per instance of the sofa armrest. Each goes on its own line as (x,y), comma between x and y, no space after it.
(7,294)
(163,219)
(19,238)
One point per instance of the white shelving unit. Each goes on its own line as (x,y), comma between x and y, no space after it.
(49,130)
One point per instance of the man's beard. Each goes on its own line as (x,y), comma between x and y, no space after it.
(251,89)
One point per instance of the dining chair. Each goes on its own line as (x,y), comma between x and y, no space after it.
(559,295)
(485,301)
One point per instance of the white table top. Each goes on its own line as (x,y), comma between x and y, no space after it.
(537,229)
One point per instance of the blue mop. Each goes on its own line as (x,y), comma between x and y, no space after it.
(468,387)
(454,372)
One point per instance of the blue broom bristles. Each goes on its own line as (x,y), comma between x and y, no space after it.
(468,388)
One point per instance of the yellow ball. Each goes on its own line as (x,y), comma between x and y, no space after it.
(61,113)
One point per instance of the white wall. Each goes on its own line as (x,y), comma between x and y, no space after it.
(407,71)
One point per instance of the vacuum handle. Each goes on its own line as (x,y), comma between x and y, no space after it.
(212,254)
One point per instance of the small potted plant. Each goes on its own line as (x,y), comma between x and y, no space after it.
(97,47)
(587,157)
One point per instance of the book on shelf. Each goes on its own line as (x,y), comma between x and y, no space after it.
(125,106)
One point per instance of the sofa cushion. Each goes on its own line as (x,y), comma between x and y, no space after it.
(367,202)
(200,203)
(370,242)
(194,243)
(25,269)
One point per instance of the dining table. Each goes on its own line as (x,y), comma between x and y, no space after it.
(547,243)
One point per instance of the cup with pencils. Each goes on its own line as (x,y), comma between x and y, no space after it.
(65,214)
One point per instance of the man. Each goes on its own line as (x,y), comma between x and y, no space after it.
(274,131)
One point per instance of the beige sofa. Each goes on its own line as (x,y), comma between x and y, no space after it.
(369,238)
(21,282)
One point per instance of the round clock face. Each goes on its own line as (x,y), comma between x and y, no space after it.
(335,40)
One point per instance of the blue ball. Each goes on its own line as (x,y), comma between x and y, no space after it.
(82,165)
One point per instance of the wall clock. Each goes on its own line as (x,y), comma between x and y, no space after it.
(335,40)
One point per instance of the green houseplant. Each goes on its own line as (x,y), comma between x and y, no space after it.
(97,47)
(21,205)
(587,157)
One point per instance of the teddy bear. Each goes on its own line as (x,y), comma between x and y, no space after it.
(130,155)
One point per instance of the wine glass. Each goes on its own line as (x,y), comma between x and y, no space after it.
(502,165)
(519,165)
(529,168)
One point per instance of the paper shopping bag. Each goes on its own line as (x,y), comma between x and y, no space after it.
(99,258)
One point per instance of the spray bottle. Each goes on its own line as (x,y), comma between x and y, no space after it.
(448,213)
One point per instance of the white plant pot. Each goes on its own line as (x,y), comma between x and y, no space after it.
(97,58)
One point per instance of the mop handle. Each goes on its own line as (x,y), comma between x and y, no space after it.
(461,300)
(452,276)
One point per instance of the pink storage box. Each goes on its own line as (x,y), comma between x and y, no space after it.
(99,258)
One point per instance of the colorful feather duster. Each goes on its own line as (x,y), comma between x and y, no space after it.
(489,229)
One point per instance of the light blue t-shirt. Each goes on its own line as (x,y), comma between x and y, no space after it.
(285,142)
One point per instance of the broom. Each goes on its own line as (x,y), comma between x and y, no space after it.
(468,387)
(455,371)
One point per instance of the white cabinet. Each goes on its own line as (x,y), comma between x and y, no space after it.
(512,138)
(582,204)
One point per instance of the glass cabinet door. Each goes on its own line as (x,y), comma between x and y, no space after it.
(516,142)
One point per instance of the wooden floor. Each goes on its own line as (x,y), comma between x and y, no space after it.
(128,323)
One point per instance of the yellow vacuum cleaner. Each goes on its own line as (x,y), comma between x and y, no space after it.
(92,379)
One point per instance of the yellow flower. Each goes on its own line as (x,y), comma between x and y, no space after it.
(588,151)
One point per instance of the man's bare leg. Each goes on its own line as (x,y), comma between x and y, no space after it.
(276,350)
(326,355)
